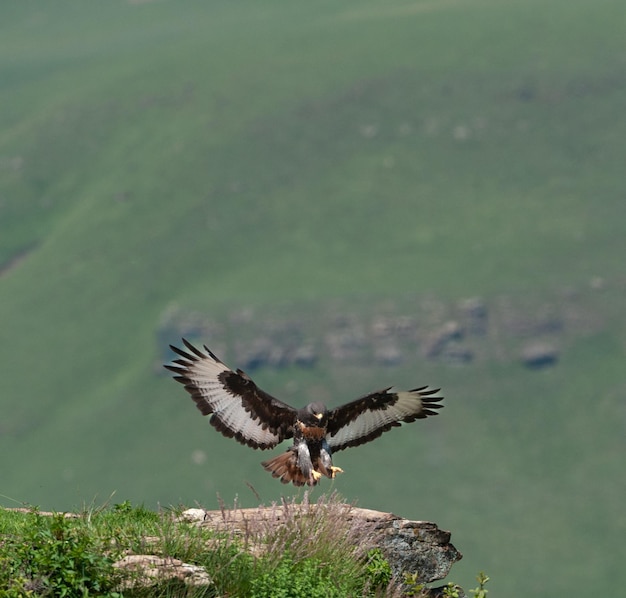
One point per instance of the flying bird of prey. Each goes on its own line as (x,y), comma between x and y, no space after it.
(239,409)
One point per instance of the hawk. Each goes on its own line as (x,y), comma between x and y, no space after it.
(239,409)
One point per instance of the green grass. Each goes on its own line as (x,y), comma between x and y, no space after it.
(310,553)
(290,156)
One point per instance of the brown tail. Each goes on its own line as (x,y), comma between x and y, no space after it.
(285,467)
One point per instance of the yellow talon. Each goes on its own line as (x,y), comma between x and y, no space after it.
(334,471)
(316,475)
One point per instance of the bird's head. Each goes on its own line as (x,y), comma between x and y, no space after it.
(314,414)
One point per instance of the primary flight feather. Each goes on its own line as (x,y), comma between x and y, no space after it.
(239,409)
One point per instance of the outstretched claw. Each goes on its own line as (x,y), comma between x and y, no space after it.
(334,471)
(316,475)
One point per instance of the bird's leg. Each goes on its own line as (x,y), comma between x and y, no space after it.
(306,465)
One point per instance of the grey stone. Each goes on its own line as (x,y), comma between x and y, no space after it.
(538,355)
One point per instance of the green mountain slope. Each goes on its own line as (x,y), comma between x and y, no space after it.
(255,158)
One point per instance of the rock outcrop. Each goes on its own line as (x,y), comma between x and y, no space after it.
(412,547)
(147,570)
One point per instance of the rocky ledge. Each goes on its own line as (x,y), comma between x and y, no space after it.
(417,548)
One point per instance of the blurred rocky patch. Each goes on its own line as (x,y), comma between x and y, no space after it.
(389,333)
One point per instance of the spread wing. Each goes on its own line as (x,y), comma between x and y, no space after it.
(239,409)
(368,417)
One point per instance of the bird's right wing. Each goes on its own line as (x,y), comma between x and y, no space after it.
(239,409)
(368,417)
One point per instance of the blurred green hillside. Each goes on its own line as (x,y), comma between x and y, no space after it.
(244,164)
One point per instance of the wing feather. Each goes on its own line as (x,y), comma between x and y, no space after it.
(238,408)
(367,418)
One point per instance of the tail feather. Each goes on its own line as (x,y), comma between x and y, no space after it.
(285,467)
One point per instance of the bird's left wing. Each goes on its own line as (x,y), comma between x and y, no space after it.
(239,409)
(368,417)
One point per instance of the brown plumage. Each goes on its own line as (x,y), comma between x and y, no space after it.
(239,409)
